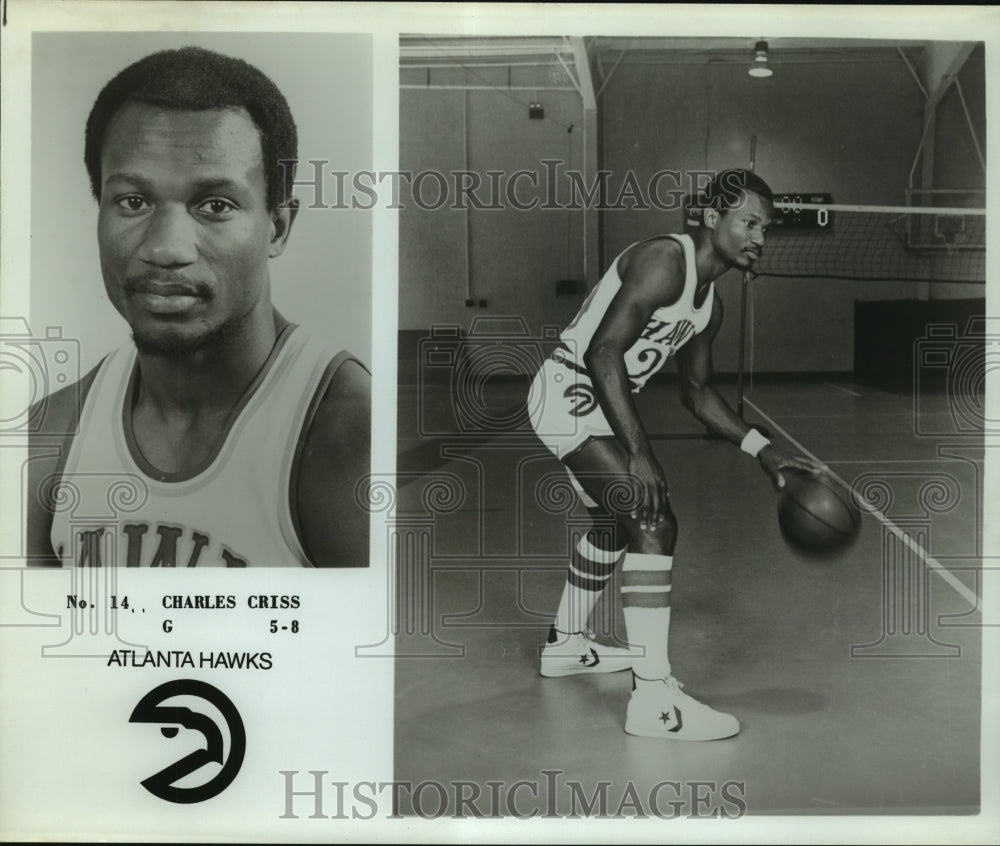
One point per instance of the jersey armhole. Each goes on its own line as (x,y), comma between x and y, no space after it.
(307,423)
(64,443)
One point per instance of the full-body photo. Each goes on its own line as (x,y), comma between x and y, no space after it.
(656,300)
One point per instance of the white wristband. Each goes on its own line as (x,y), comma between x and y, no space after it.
(753,443)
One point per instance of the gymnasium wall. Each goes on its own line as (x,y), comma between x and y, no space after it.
(847,128)
(510,258)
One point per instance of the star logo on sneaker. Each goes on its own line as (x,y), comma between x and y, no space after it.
(591,660)
(666,717)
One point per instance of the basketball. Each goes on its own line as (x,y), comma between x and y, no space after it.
(815,514)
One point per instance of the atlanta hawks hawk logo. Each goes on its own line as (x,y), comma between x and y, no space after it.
(151,709)
(583,398)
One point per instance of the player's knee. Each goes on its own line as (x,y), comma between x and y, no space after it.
(657,538)
(663,533)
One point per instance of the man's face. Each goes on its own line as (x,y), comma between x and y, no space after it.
(738,234)
(183,229)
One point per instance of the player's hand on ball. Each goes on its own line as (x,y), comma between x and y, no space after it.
(773,460)
(651,493)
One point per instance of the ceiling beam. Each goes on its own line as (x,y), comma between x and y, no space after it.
(940,63)
(583,76)
(413,47)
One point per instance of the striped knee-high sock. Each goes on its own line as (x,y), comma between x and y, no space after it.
(589,571)
(645,584)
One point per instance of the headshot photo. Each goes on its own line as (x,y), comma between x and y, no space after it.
(207,304)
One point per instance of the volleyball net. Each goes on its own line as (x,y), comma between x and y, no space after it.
(938,237)
(931,239)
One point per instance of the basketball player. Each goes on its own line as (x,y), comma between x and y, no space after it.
(224,435)
(656,300)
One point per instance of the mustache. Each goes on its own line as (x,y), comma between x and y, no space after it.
(165,283)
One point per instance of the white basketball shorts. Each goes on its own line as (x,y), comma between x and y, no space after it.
(563,406)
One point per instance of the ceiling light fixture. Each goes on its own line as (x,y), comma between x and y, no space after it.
(760,68)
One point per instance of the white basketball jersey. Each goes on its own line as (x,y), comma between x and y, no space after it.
(237,510)
(668,329)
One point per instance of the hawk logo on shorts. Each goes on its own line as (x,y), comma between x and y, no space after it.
(583,398)
(151,710)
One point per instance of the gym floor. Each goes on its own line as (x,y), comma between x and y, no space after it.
(856,678)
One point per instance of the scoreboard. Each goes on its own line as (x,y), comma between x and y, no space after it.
(790,214)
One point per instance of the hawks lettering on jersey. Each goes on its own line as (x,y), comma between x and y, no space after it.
(670,334)
(166,546)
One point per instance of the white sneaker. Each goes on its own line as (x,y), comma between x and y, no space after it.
(659,708)
(569,654)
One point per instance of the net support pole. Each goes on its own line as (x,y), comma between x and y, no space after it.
(743,337)
(743,303)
